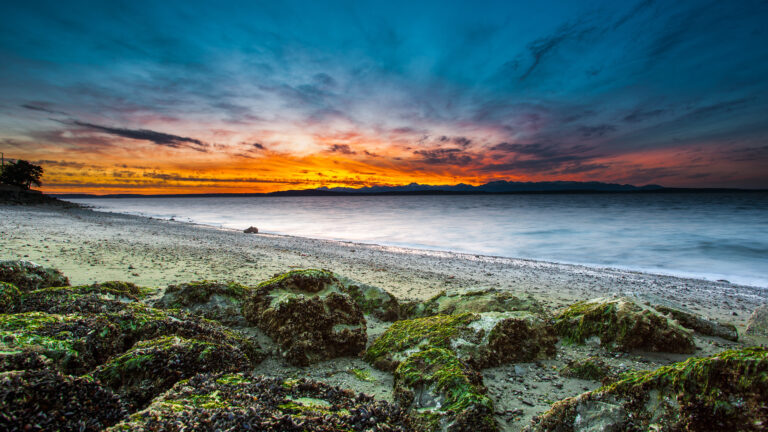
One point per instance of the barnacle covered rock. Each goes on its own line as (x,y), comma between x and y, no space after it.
(622,324)
(23,360)
(220,301)
(96,298)
(213,402)
(700,324)
(724,392)
(9,297)
(443,393)
(45,400)
(591,368)
(457,301)
(29,276)
(757,325)
(152,367)
(374,301)
(482,339)
(77,343)
(308,315)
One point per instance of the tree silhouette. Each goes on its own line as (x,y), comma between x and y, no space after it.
(21,173)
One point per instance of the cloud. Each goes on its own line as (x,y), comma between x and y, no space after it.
(452,156)
(640,115)
(341,148)
(596,131)
(542,47)
(160,138)
(42,108)
(258,146)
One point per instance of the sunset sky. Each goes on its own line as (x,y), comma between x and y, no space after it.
(198,96)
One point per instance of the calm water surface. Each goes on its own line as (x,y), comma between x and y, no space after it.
(713,236)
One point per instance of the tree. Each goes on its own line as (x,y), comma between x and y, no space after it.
(21,173)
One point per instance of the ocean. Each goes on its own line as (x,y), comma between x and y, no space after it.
(704,235)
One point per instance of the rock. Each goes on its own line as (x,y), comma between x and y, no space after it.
(624,325)
(374,301)
(23,360)
(29,276)
(700,324)
(152,367)
(726,391)
(757,325)
(443,393)
(219,301)
(213,402)
(309,316)
(96,298)
(591,368)
(10,296)
(77,343)
(481,339)
(48,400)
(457,301)
(251,230)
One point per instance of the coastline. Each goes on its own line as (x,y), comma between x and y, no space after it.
(91,245)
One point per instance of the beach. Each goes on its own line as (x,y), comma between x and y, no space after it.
(89,246)
(92,246)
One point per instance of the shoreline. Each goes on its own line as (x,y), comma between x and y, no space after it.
(733,280)
(158,252)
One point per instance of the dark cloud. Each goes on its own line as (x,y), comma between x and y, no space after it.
(538,157)
(160,138)
(540,48)
(42,107)
(640,115)
(640,7)
(371,154)
(341,148)
(258,146)
(451,156)
(596,131)
(719,107)
(63,164)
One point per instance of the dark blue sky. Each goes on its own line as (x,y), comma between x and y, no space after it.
(286,93)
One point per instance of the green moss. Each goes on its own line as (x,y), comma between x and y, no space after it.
(197,292)
(23,331)
(9,297)
(232,379)
(362,374)
(431,332)
(308,280)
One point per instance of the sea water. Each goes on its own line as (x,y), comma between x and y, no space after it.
(706,235)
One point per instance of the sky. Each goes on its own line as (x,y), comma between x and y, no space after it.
(198,96)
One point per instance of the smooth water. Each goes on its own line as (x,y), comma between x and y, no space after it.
(712,236)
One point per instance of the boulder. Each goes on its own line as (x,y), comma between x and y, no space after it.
(77,343)
(757,325)
(152,367)
(458,301)
(213,402)
(700,324)
(251,230)
(374,301)
(481,339)
(28,276)
(38,400)
(96,298)
(724,392)
(309,316)
(10,296)
(219,301)
(622,324)
(443,393)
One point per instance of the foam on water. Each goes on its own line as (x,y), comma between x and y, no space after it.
(711,236)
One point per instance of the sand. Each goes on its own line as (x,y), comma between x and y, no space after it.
(91,246)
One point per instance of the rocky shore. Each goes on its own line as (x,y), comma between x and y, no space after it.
(425,342)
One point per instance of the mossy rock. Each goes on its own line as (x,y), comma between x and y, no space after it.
(308,315)
(85,299)
(77,343)
(724,392)
(591,368)
(219,301)
(214,402)
(477,300)
(28,276)
(23,360)
(482,339)
(38,400)
(622,324)
(9,297)
(152,367)
(443,393)
(700,324)
(374,301)
(757,325)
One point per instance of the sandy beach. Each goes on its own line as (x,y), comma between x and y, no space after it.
(90,246)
